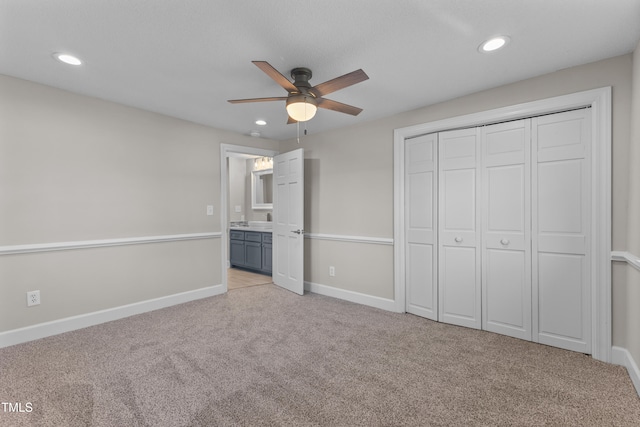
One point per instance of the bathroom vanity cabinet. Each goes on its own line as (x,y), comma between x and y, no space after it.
(251,250)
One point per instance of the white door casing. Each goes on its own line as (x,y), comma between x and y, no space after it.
(561,230)
(288,220)
(459,261)
(421,219)
(506,228)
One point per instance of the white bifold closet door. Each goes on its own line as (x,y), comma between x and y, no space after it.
(421,177)
(561,230)
(506,229)
(497,222)
(459,257)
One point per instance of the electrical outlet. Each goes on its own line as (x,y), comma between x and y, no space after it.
(33,298)
(332,271)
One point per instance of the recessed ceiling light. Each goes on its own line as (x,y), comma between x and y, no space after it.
(261,122)
(494,44)
(67,59)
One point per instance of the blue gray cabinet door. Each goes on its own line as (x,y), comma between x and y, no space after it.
(266,258)
(236,256)
(253,255)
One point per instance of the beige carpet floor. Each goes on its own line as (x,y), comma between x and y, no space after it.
(264,356)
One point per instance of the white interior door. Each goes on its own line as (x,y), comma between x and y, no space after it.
(288,220)
(459,261)
(420,222)
(506,229)
(561,230)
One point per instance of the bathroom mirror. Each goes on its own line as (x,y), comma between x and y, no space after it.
(262,189)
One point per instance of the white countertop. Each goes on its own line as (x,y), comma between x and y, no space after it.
(258,229)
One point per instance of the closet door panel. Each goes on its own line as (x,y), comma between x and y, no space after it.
(561,197)
(420,282)
(505,198)
(506,292)
(459,293)
(561,305)
(506,235)
(459,228)
(420,191)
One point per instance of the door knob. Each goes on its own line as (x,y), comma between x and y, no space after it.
(504,241)
(458,239)
(298,231)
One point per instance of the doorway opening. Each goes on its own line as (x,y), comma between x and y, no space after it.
(236,209)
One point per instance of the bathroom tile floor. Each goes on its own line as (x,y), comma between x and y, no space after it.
(238,278)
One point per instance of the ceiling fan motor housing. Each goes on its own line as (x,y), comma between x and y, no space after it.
(301,77)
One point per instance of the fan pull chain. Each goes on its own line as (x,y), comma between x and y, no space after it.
(305,130)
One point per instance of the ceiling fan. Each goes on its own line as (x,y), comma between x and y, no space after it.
(303,99)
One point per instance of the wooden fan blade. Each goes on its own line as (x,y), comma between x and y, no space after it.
(242,101)
(339,83)
(338,106)
(276,76)
(290,120)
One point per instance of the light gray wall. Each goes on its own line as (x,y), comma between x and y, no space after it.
(240,170)
(628,301)
(237,188)
(74,168)
(349,178)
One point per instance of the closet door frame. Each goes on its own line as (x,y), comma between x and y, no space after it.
(600,206)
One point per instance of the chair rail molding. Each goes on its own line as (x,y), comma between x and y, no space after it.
(627,257)
(350,239)
(87,244)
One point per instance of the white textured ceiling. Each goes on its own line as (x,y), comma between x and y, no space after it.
(185,58)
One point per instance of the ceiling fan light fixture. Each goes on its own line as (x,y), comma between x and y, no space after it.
(301,107)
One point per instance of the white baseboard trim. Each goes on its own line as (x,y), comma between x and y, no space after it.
(55,327)
(621,356)
(364,299)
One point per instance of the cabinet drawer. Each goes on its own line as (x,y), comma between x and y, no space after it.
(236,235)
(266,238)
(253,236)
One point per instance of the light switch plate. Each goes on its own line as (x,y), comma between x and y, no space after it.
(238,208)
(209,210)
